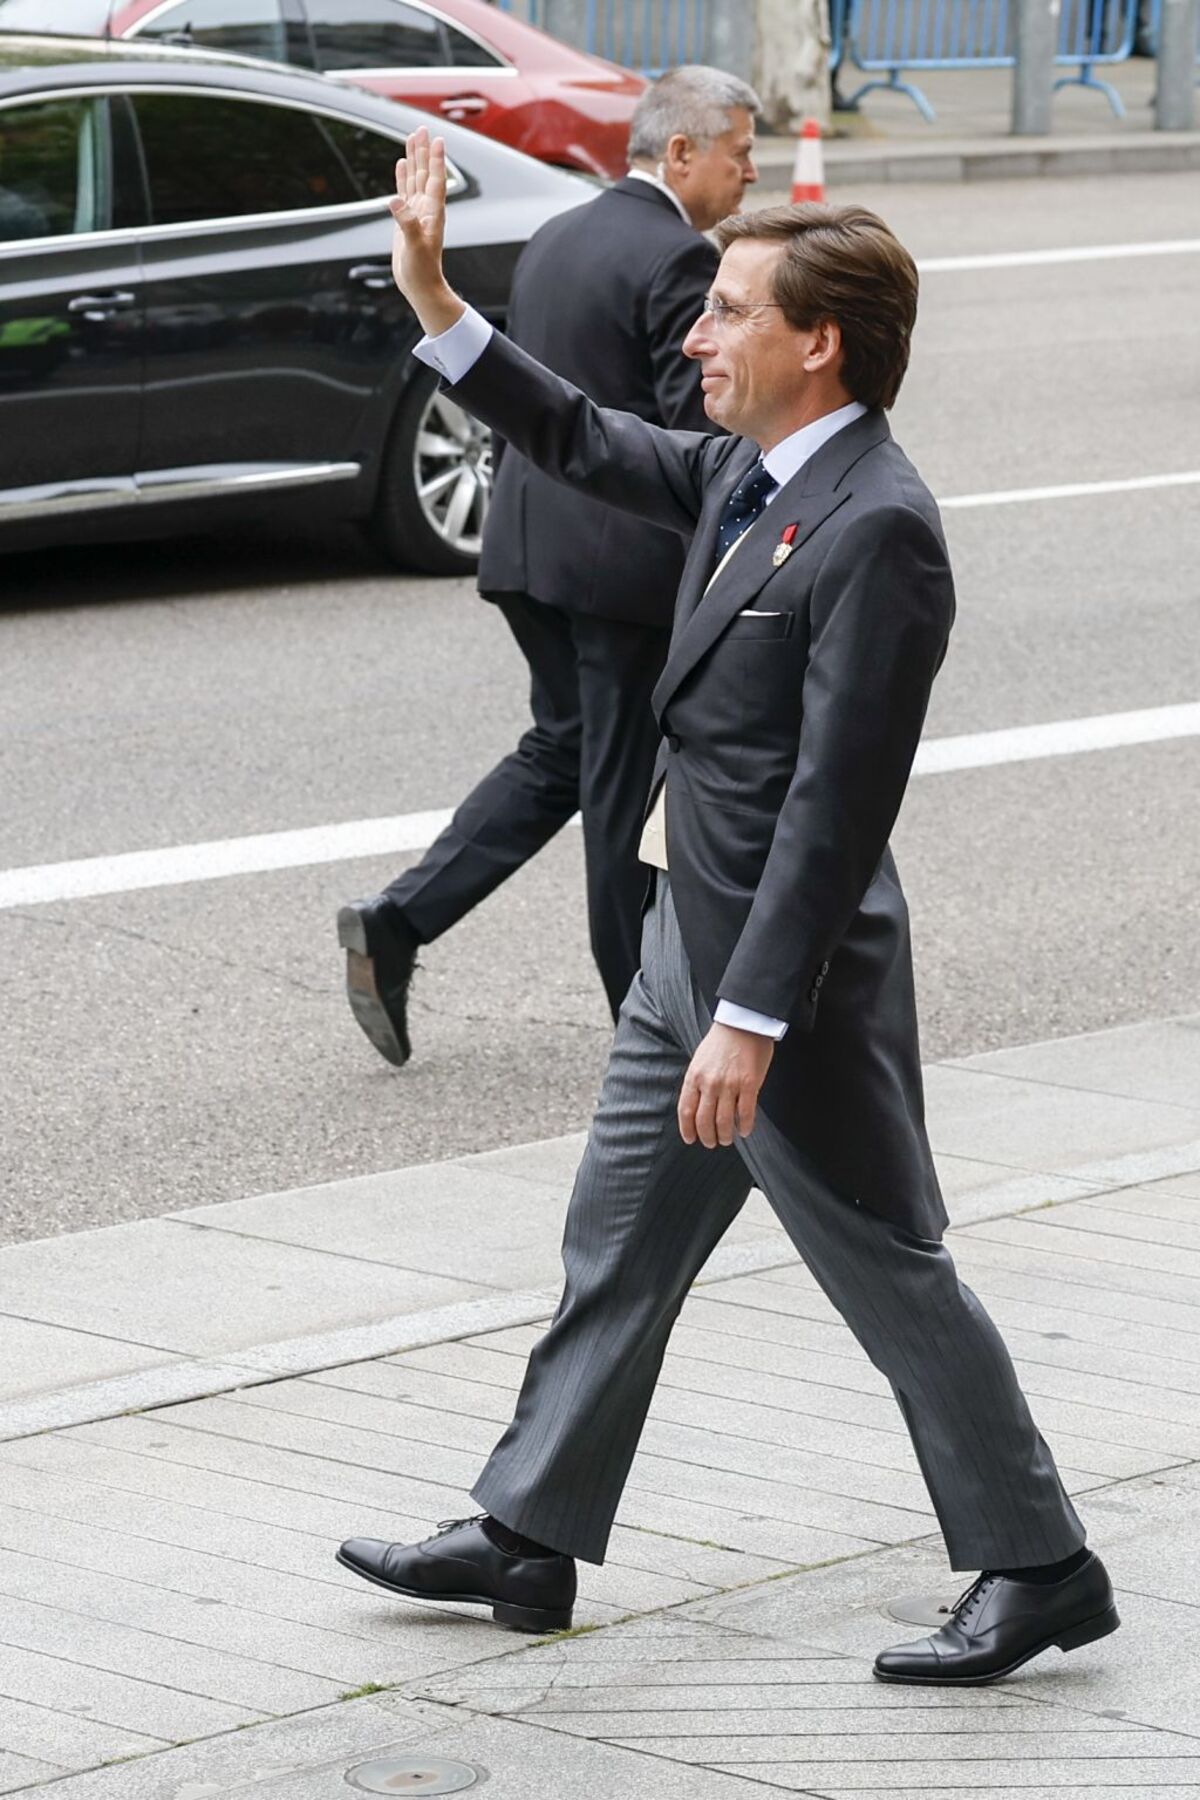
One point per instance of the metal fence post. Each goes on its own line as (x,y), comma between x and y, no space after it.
(1175,100)
(1033,78)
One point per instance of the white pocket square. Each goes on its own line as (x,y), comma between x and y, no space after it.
(750,612)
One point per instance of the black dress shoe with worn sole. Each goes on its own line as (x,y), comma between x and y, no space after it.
(999,1624)
(530,1593)
(381,954)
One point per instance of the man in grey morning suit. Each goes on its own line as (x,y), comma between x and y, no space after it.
(812,617)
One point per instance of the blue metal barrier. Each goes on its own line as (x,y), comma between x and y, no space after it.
(887,38)
(838,10)
(647,35)
(1096,31)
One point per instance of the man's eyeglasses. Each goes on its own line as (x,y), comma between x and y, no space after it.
(727,312)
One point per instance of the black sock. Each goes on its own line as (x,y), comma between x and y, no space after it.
(1044,1573)
(512,1541)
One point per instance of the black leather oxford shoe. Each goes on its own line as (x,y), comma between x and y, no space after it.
(381,953)
(999,1624)
(532,1593)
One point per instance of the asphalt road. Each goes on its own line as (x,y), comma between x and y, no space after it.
(190,1043)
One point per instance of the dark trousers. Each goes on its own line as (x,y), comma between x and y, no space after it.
(590,749)
(645,1215)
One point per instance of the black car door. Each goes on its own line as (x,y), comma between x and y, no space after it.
(270,313)
(70,307)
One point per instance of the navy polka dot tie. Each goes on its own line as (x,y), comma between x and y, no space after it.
(744,505)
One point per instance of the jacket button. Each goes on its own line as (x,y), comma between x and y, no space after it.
(824,968)
(674,743)
(813,993)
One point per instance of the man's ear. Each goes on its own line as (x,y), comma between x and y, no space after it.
(678,152)
(825,351)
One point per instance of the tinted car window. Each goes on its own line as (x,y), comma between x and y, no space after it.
(246,27)
(467,53)
(54,169)
(371,158)
(375,34)
(63,17)
(215,158)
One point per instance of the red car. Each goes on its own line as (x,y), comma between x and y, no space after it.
(463,59)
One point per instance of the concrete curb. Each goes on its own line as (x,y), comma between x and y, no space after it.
(992,158)
(259,1365)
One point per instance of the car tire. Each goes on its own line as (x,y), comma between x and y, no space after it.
(435,484)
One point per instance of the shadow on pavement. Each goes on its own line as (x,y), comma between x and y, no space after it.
(184,567)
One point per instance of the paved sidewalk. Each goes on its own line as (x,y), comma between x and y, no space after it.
(971,137)
(196,1409)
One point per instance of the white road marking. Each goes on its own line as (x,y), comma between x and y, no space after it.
(1064,737)
(93,876)
(1073,490)
(1033,259)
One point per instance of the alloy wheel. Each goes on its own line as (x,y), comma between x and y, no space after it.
(452,473)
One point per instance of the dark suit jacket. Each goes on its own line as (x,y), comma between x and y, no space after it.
(603,295)
(789,741)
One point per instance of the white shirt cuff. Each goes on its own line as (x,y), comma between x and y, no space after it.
(741,1017)
(454,353)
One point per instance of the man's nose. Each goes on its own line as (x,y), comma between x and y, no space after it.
(751,172)
(695,343)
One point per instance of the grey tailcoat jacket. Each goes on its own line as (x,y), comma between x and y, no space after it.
(791,705)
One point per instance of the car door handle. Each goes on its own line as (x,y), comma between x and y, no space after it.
(463,106)
(370,275)
(99,307)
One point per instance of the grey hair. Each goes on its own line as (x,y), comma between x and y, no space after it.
(694,101)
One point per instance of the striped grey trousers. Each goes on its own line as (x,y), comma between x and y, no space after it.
(646,1212)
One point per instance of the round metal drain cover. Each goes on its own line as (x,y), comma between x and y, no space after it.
(921,1609)
(413,1775)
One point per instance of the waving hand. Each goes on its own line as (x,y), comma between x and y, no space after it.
(419,210)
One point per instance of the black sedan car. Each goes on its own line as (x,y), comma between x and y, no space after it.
(197,314)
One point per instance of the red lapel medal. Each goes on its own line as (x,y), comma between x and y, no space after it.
(783,548)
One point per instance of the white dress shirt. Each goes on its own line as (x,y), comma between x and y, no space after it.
(657,181)
(455,352)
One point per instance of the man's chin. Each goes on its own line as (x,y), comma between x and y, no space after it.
(719,410)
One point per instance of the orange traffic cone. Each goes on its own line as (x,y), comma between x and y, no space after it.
(808,176)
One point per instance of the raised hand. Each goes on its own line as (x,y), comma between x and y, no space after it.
(419,210)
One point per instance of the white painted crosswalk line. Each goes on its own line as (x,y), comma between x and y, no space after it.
(407,832)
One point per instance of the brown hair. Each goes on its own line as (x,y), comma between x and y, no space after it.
(841,263)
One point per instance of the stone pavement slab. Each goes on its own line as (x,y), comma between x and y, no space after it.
(1186,1186)
(1040,1126)
(23,1772)
(203,1292)
(167,1575)
(1153,1062)
(208,1300)
(762,1699)
(41,1359)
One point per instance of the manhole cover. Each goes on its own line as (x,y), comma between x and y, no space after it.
(413,1775)
(921,1609)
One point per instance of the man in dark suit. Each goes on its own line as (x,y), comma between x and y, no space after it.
(812,617)
(602,295)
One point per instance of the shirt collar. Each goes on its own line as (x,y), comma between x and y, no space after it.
(790,456)
(656,182)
